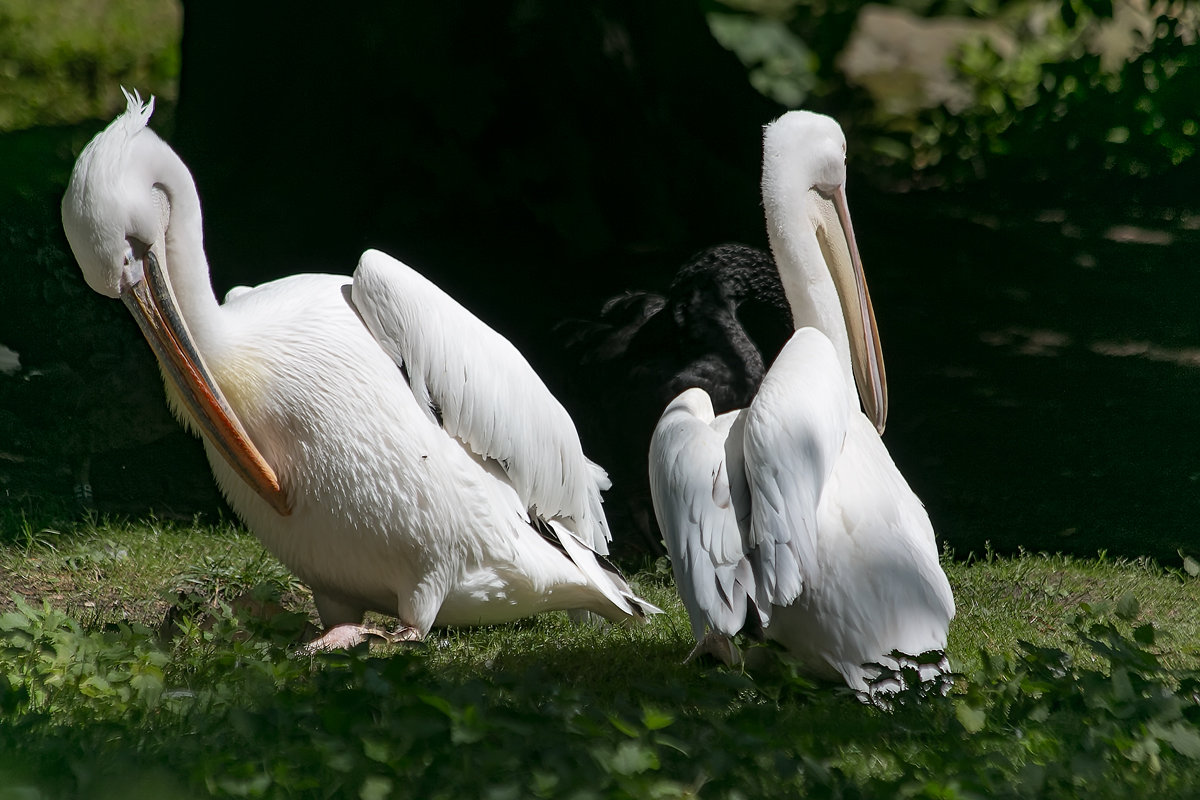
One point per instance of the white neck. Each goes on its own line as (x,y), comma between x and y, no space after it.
(182,252)
(792,217)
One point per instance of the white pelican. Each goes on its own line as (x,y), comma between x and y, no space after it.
(790,513)
(391,449)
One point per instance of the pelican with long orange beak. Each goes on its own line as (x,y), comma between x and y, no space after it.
(389,447)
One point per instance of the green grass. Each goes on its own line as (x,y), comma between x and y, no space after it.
(1033,597)
(64,61)
(1077,676)
(113,571)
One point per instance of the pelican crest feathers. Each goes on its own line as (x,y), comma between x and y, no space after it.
(137,114)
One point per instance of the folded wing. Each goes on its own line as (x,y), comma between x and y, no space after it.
(795,429)
(700,500)
(736,496)
(481,390)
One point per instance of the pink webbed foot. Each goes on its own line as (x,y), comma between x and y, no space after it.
(349,634)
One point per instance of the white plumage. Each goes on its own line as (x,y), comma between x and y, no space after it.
(485,394)
(791,514)
(385,444)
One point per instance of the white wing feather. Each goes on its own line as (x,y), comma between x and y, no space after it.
(483,391)
(701,503)
(795,428)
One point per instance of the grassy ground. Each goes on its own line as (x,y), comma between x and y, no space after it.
(219,703)
(108,571)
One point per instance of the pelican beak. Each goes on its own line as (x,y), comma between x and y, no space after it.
(845,266)
(153,306)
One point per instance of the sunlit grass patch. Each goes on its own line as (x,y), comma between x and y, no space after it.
(1034,597)
(109,570)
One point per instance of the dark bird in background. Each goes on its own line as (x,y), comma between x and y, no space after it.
(718,326)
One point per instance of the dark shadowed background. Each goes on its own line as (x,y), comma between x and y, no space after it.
(1022,197)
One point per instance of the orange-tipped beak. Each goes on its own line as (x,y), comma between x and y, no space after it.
(153,306)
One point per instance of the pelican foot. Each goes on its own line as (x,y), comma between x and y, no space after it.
(717,646)
(405,634)
(344,637)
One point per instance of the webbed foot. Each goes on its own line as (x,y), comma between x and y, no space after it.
(349,634)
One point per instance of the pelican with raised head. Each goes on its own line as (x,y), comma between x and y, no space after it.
(390,448)
(790,514)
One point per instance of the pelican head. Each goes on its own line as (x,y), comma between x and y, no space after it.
(802,151)
(126,190)
(808,219)
(114,210)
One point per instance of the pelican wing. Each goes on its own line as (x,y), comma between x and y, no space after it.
(481,390)
(701,503)
(795,429)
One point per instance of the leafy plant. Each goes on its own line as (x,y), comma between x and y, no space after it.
(1054,108)
(227,707)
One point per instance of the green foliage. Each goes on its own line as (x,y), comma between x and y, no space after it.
(222,704)
(779,64)
(1052,105)
(1059,729)
(64,61)
(1054,108)
(53,667)
(1002,601)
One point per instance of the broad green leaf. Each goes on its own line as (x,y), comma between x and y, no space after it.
(148,685)
(971,718)
(1128,607)
(1121,685)
(376,787)
(623,726)
(631,758)
(654,719)
(14,620)
(440,703)
(377,750)
(252,786)
(1182,737)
